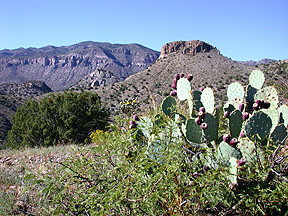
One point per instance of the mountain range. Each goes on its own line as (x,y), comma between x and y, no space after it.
(61,67)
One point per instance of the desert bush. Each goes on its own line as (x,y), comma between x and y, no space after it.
(57,118)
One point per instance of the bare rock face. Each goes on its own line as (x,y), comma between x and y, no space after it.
(99,77)
(186,47)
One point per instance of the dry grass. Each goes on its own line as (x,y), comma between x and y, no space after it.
(15,197)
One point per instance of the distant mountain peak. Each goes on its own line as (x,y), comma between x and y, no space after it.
(186,47)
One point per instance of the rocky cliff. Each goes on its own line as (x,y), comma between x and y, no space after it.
(61,67)
(186,47)
(99,77)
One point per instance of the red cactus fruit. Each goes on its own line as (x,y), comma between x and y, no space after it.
(245,116)
(202,109)
(241,107)
(173,93)
(227,138)
(198,121)
(181,75)
(227,114)
(204,126)
(174,86)
(233,142)
(190,77)
(177,76)
(241,162)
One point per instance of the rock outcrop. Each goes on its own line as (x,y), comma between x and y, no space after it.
(186,47)
(99,77)
(62,67)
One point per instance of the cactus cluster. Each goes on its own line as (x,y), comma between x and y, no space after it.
(252,114)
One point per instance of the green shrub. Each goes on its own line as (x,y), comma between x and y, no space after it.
(57,118)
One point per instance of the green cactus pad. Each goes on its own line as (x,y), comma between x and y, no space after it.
(278,135)
(183,88)
(229,107)
(169,106)
(145,125)
(196,95)
(284,110)
(274,116)
(248,150)
(235,123)
(235,90)
(259,125)
(225,152)
(268,94)
(250,92)
(233,170)
(211,132)
(235,93)
(193,131)
(207,99)
(256,79)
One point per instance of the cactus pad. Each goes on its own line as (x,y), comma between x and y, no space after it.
(279,133)
(196,95)
(193,131)
(259,125)
(229,107)
(211,132)
(233,169)
(274,116)
(169,106)
(268,94)
(250,92)
(248,150)
(235,123)
(256,79)
(183,88)
(225,152)
(284,110)
(207,99)
(235,92)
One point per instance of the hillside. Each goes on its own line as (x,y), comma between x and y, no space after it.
(208,67)
(12,96)
(61,67)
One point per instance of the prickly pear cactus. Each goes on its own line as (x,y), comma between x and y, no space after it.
(211,132)
(235,93)
(225,152)
(248,150)
(169,106)
(207,99)
(235,123)
(196,95)
(274,116)
(183,89)
(278,134)
(283,111)
(193,131)
(233,169)
(268,94)
(250,92)
(258,126)
(256,79)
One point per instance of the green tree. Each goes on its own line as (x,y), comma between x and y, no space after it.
(57,118)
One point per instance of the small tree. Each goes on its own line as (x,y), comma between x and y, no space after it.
(57,118)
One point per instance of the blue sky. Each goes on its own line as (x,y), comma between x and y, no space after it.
(241,30)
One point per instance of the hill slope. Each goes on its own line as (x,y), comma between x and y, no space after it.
(61,67)
(208,67)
